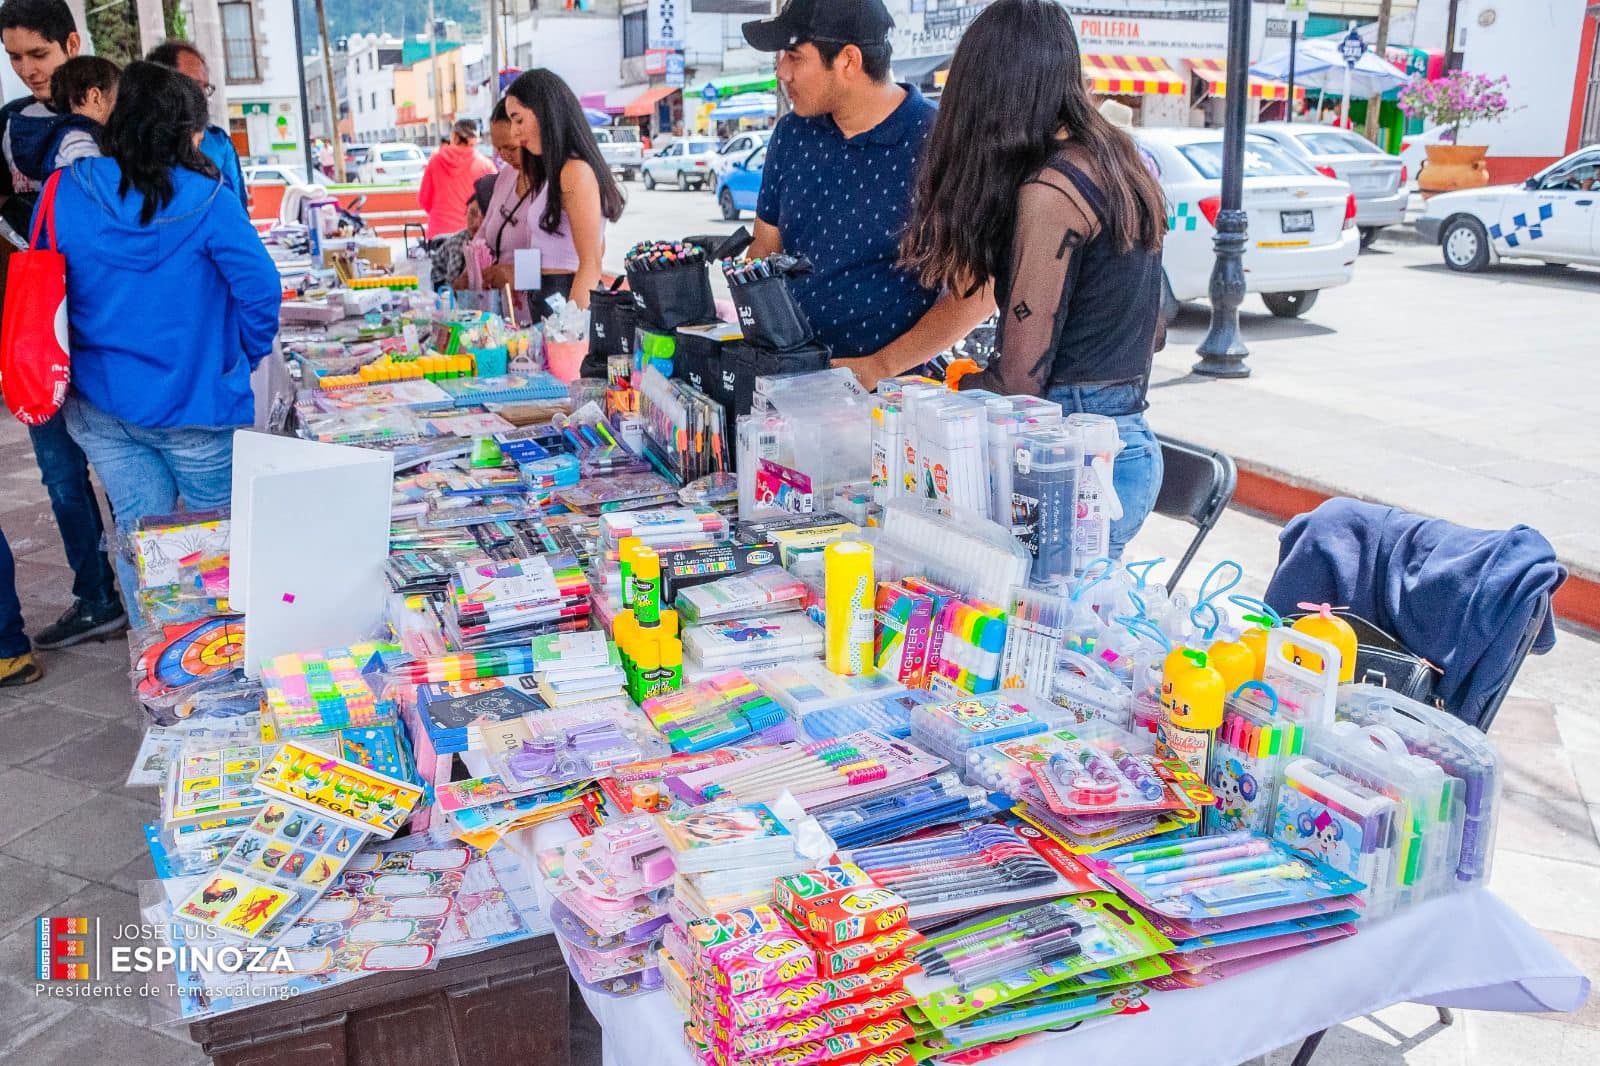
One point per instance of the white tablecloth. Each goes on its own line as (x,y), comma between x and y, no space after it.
(1467,950)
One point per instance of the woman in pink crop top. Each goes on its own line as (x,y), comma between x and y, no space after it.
(560,208)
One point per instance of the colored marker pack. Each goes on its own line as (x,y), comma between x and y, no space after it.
(689,567)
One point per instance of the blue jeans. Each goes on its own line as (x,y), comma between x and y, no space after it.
(1136,475)
(66,477)
(13,641)
(145,470)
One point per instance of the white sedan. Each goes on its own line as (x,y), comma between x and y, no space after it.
(1301,236)
(1554,216)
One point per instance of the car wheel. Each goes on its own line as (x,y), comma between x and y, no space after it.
(1466,245)
(649,180)
(730,213)
(1289,304)
(1369,234)
(628,174)
(683,182)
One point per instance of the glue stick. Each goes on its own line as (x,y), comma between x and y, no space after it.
(647,587)
(848,606)
(625,549)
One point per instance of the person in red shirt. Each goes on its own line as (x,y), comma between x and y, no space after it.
(447,182)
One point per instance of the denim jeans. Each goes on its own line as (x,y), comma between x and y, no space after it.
(13,641)
(1136,474)
(66,477)
(146,470)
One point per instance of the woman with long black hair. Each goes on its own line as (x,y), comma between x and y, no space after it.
(171,301)
(572,192)
(1026,189)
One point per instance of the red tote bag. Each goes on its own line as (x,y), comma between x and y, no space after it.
(35,367)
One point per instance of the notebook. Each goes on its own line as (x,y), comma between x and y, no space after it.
(504,388)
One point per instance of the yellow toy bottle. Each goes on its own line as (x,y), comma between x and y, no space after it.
(1323,624)
(1192,696)
(1236,661)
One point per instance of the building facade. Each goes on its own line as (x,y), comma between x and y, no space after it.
(370,91)
(259,65)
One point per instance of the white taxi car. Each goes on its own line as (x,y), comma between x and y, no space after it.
(1302,235)
(1553,216)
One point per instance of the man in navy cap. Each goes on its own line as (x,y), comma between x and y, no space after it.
(837,184)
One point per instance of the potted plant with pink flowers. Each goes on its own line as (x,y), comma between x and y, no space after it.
(1454,100)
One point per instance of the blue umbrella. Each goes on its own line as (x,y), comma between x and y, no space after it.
(596,118)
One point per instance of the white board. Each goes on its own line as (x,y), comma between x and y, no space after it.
(310,536)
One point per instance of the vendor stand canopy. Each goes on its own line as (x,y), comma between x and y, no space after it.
(745,105)
(1135,75)
(644,104)
(750,81)
(1214,74)
(1319,65)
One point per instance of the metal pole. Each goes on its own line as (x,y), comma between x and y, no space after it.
(1344,100)
(1294,44)
(305,101)
(494,50)
(1222,351)
(333,97)
(438,82)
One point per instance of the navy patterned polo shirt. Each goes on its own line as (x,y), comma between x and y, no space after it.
(843,202)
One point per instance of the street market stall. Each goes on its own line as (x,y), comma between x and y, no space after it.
(805,725)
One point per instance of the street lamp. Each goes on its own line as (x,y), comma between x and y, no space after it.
(1222,352)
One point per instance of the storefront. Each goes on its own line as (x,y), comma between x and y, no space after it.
(1147,84)
(1208,88)
(266,130)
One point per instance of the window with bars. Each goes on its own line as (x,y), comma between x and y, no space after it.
(239,41)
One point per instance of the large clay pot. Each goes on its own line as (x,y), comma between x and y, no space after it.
(1454,166)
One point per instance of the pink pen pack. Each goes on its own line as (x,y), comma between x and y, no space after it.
(1211,956)
(1182,979)
(1189,928)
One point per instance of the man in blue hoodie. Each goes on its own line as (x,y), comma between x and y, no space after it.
(218,147)
(39,36)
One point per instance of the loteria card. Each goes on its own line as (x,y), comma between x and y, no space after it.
(234,903)
(352,794)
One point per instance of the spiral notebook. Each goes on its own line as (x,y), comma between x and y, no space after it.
(504,388)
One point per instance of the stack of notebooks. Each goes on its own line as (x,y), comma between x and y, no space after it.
(726,856)
(574,667)
(496,604)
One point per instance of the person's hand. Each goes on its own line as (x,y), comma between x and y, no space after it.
(867,369)
(497,274)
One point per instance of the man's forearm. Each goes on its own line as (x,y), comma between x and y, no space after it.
(946,322)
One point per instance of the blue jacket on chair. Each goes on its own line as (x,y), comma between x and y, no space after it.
(166,318)
(1460,598)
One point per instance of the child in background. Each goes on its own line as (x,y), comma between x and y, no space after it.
(82,92)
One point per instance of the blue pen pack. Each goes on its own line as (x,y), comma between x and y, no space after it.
(1247,760)
(1211,877)
(901,810)
(1464,755)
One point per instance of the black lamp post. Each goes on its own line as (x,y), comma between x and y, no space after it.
(1222,352)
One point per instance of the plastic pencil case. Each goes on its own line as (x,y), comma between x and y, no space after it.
(1462,752)
(768,314)
(1252,748)
(673,296)
(1428,819)
(952,728)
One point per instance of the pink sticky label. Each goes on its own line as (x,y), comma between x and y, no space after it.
(288,597)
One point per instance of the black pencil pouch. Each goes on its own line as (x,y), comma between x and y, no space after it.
(673,296)
(769,316)
(612,313)
(749,362)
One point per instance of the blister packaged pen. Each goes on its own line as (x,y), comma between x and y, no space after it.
(449,512)
(766,589)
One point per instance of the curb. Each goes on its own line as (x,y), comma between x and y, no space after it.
(1282,497)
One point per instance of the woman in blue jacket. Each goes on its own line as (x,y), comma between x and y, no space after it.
(171,302)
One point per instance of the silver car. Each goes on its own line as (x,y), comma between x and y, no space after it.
(1375,177)
(686,162)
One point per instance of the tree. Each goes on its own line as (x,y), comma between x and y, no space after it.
(114,27)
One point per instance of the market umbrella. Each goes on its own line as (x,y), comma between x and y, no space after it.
(1319,65)
(596,118)
(745,105)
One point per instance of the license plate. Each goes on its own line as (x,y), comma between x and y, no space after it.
(1369,182)
(1297,221)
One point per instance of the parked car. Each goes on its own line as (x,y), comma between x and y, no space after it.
(274,174)
(1414,149)
(737,148)
(1302,234)
(392,163)
(1377,178)
(621,149)
(1554,217)
(740,184)
(686,161)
